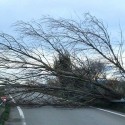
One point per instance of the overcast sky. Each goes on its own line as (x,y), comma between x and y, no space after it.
(112,12)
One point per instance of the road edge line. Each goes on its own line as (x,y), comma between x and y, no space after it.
(115,113)
(21,115)
(19,110)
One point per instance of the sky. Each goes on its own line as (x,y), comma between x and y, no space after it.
(112,12)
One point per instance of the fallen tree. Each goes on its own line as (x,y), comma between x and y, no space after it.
(30,58)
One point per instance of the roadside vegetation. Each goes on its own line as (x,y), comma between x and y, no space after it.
(5,114)
(4,107)
(75,62)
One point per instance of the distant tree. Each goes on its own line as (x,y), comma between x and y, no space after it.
(63,62)
(90,70)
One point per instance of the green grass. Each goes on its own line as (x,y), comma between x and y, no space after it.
(5,115)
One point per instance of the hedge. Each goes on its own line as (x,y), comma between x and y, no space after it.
(5,115)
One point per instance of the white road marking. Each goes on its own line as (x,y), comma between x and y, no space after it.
(20,111)
(115,113)
(21,115)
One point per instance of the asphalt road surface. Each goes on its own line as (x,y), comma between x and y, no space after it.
(64,116)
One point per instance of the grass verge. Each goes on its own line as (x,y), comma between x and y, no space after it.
(5,115)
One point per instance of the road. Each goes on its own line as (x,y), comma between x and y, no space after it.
(64,116)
